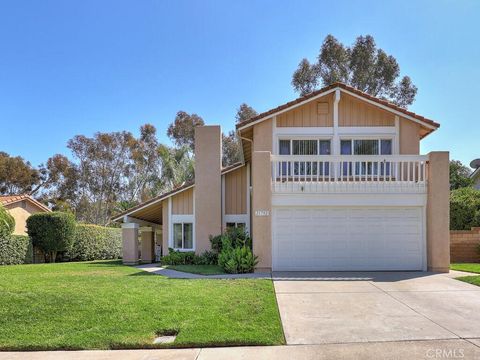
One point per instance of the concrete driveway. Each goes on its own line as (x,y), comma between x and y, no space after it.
(335,308)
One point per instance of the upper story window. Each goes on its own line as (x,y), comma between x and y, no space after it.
(366,147)
(304,147)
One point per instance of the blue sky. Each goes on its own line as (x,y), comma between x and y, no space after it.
(78,67)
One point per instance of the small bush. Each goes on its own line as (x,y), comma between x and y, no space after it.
(93,242)
(7,223)
(176,257)
(236,256)
(52,232)
(207,258)
(237,238)
(15,249)
(237,260)
(464,208)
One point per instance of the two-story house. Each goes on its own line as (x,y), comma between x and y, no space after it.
(332,181)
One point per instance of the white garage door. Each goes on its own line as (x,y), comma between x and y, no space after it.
(342,239)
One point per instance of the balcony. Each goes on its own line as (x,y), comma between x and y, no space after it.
(349,173)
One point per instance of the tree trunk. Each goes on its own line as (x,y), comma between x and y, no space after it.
(53,256)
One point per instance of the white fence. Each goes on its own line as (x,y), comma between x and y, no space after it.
(349,173)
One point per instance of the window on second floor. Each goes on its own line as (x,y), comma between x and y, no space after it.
(304,147)
(366,147)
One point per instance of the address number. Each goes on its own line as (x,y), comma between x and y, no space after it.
(262,213)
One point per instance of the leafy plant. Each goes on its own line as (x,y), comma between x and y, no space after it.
(236,256)
(52,232)
(464,208)
(7,223)
(176,257)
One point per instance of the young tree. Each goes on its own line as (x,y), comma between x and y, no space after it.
(363,66)
(52,232)
(231,149)
(244,113)
(305,78)
(182,130)
(17,176)
(459,175)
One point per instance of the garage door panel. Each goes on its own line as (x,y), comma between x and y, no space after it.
(339,238)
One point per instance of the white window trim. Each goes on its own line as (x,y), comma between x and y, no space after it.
(182,221)
(306,137)
(371,137)
(237,218)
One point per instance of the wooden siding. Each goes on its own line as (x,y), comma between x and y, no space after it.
(182,203)
(355,112)
(316,113)
(409,137)
(236,191)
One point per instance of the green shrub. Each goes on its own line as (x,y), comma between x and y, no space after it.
(93,242)
(7,223)
(176,257)
(236,256)
(237,260)
(15,249)
(52,232)
(464,208)
(208,257)
(236,236)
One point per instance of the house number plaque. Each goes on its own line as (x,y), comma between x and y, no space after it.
(262,212)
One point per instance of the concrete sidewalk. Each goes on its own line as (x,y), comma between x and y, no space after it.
(401,350)
(159,270)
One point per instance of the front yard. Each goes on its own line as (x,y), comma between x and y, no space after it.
(468,267)
(104,305)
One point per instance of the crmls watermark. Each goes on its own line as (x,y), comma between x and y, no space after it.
(445,354)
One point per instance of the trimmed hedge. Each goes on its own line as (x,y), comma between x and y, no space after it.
(52,232)
(93,242)
(15,249)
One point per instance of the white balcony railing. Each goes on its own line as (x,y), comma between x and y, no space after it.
(349,173)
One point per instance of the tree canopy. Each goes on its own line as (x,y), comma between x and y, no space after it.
(459,175)
(182,130)
(362,65)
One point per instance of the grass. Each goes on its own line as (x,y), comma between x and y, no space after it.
(198,269)
(469,267)
(105,305)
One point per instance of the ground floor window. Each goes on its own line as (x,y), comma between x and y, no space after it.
(183,236)
(236,225)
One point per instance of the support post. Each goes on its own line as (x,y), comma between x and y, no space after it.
(147,253)
(438,212)
(130,243)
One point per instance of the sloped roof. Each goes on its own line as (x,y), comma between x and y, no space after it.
(12,199)
(339,85)
(167,194)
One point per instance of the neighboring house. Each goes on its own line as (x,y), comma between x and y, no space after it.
(21,207)
(331,181)
(475,175)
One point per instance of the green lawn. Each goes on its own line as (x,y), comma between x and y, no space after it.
(104,305)
(469,267)
(198,269)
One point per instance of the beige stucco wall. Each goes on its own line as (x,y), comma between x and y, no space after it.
(165,227)
(355,112)
(236,191)
(409,137)
(20,212)
(182,203)
(438,212)
(262,136)
(316,113)
(208,186)
(262,201)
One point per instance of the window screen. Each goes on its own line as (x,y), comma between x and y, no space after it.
(305,147)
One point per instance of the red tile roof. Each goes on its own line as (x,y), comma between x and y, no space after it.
(11,199)
(347,88)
